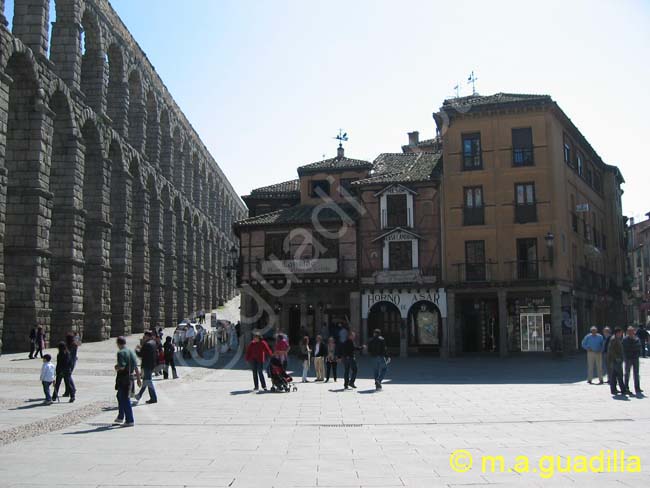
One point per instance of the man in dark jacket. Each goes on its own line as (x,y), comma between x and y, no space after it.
(149,355)
(642,334)
(348,352)
(377,350)
(631,353)
(615,362)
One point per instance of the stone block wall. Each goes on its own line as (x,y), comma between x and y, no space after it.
(114,217)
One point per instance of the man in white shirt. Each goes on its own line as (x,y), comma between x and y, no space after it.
(319,353)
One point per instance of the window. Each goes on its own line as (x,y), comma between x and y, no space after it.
(400,255)
(318,187)
(527,259)
(580,163)
(472,151)
(473,211)
(589,175)
(598,182)
(475,260)
(274,246)
(532,332)
(397,210)
(331,247)
(346,184)
(567,151)
(574,221)
(525,206)
(522,147)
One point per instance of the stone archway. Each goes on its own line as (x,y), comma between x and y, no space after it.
(424,323)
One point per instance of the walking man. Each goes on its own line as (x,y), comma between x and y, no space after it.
(348,352)
(615,362)
(148,353)
(377,350)
(127,365)
(32,342)
(593,344)
(631,353)
(607,336)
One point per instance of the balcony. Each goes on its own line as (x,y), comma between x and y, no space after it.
(529,270)
(474,272)
(590,279)
(525,213)
(473,215)
(299,266)
(522,156)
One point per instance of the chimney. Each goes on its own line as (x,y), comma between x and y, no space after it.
(339,152)
(414,138)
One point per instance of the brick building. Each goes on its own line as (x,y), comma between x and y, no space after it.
(639,271)
(359,246)
(113,215)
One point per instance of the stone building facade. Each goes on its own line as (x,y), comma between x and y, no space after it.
(113,214)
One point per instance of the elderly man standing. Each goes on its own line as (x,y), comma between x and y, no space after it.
(593,344)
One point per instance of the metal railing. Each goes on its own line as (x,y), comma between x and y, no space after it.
(527,270)
(473,215)
(522,156)
(526,212)
(474,272)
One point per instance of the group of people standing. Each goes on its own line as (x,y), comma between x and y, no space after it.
(618,352)
(325,356)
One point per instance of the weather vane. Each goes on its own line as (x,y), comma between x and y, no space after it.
(341,137)
(472,79)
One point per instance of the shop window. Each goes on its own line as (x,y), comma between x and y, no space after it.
(400,255)
(320,187)
(522,147)
(397,211)
(424,324)
(472,158)
(532,332)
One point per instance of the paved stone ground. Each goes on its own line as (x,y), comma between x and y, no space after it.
(209,429)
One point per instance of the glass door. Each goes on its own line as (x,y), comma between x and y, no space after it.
(532,332)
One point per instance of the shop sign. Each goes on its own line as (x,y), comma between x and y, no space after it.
(399,236)
(300,266)
(404,300)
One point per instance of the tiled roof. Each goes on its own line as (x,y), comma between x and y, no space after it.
(301,214)
(402,168)
(464,104)
(335,163)
(286,189)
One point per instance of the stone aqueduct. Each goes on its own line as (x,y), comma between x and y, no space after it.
(113,215)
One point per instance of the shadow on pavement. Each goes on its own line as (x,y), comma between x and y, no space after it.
(470,369)
(99,428)
(241,392)
(31,405)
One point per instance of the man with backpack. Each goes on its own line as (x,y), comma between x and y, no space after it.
(377,350)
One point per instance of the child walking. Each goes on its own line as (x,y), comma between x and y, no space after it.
(47,377)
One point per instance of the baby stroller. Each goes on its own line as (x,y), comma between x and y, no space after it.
(280,379)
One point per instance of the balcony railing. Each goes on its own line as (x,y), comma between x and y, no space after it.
(527,270)
(474,272)
(473,215)
(522,156)
(590,279)
(525,213)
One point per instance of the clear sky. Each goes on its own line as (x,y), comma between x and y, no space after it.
(267,84)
